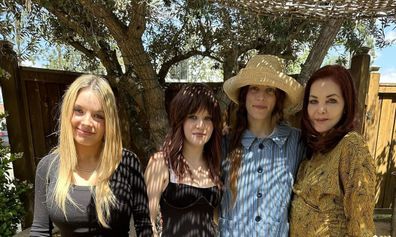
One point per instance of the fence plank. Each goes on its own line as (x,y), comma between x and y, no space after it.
(390,180)
(372,114)
(36,118)
(383,145)
(54,94)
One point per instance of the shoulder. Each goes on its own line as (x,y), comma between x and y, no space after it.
(352,139)
(293,134)
(129,158)
(46,162)
(158,158)
(354,150)
(286,128)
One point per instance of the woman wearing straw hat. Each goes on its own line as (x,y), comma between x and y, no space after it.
(263,153)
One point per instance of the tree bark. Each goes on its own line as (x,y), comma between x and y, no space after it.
(319,50)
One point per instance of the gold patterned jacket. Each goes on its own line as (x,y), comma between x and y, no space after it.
(334,192)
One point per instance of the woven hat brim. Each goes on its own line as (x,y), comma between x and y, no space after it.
(249,76)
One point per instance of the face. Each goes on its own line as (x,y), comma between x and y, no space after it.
(198,128)
(88,120)
(260,102)
(325,105)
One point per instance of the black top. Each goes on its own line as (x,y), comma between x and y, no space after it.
(188,211)
(127,184)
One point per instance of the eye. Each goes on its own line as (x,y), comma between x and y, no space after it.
(192,116)
(313,101)
(254,88)
(270,90)
(99,116)
(208,118)
(78,111)
(332,101)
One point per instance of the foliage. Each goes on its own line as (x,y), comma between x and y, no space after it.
(138,42)
(11,193)
(64,57)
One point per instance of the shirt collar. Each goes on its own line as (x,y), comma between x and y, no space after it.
(278,136)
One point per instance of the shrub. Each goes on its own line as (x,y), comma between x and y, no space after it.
(11,193)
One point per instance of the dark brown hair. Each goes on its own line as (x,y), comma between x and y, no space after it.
(241,124)
(191,99)
(323,144)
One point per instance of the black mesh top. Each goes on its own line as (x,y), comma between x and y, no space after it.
(127,184)
(188,211)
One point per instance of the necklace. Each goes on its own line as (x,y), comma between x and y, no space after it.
(85,170)
(198,170)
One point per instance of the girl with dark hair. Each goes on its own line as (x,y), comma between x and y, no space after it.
(335,187)
(183,181)
(262,151)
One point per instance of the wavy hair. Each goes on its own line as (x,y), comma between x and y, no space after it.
(191,99)
(235,148)
(110,155)
(323,144)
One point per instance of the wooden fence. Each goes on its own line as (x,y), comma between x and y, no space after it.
(32,96)
(380,133)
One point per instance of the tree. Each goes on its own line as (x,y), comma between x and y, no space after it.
(138,42)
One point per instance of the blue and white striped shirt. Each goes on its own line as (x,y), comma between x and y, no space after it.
(265,182)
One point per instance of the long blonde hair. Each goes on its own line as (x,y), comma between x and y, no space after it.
(111,153)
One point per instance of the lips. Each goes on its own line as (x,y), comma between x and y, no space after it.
(83,132)
(199,134)
(260,106)
(321,120)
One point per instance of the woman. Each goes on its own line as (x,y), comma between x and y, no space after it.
(263,152)
(89,185)
(335,187)
(182,179)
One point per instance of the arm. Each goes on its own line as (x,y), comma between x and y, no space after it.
(157,178)
(139,200)
(357,174)
(42,225)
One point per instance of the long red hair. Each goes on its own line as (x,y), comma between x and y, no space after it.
(190,99)
(323,144)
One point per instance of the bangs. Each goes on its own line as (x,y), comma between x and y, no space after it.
(191,99)
(202,104)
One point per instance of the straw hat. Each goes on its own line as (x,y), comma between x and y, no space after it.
(266,70)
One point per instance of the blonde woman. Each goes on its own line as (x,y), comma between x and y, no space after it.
(89,185)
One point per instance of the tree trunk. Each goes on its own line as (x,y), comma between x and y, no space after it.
(319,50)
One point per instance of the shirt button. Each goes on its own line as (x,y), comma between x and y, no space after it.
(259,195)
(261,146)
(258,218)
(260,170)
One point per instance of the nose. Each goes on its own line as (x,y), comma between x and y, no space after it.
(322,109)
(86,120)
(200,123)
(263,94)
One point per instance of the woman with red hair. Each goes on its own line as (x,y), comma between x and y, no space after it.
(335,186)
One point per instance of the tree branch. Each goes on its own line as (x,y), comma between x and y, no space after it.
(319,50)
(110,20)
(100,49)
(78,46)
(137,25)
(169,63)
